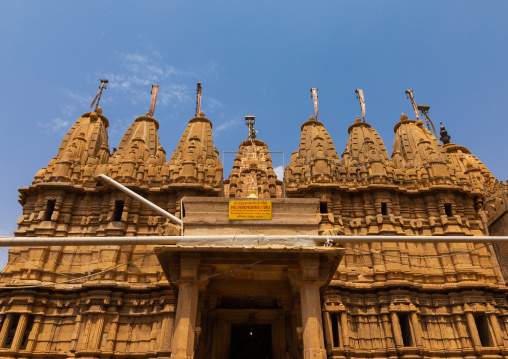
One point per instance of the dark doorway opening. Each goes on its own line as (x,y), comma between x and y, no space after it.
(251,341)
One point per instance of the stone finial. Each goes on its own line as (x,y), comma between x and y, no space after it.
(311,118)
(98,110)
(201,114)
(403,117)
(358,119)
(445,138)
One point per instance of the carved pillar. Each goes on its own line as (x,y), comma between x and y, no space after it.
(186,310)
(32,338)
(313,341)
(474,332)
(313,338)
(113,330)
(20,330)
(5,328)
(166,331)
(397,331)
(497,330)
(461,328)
(345,329)
(75,333)
(97,337)
(328,331)
(417,330)
(389,336)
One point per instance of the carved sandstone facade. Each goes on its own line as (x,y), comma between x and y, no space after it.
(370,300)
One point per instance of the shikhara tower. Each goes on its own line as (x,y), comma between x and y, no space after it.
(238,299)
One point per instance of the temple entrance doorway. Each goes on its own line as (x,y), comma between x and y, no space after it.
(251,341)
(247,334)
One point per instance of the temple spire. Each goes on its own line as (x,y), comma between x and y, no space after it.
(445,137)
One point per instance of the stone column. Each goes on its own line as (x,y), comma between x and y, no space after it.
(5,329)
(496,329)
(474,331)
(75,333)
(113,329)
(35,330)
(397,331)
(328,331)
(20,330)
(417,330)
(186,310)
(313,338)
(98,327)
(345,329)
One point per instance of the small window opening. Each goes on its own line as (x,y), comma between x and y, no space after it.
(50,208)
(26,334)
(11,331)
(405,328)
(335,329)
(384,208)
(323,207)
(117,214)
(448,209)
(482,325)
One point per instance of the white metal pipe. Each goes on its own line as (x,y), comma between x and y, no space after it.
(141,199)
(238,240)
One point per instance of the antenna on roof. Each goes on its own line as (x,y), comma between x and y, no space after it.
(198,99)
(359,95)
(249,122)
(424,109)
(153,101)
(99,94)
(315,97)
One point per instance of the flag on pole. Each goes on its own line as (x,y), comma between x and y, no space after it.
(410,94)
(98,96)
(198,99)
(359,94)
(315,97)
(155,91)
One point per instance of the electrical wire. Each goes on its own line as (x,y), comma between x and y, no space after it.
(42,268)
(432,267)
(346,245)
(76,279)
(135,259)
(421,257)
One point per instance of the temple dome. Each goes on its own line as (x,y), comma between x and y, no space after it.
(91,134)
(195,158)
(414,145)
(316,159)
(365,148)
(253,173)
(84,145)
(142,134)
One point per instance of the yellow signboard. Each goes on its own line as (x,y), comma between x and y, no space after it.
(250,209)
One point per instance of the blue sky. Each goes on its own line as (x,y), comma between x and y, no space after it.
(253,58)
